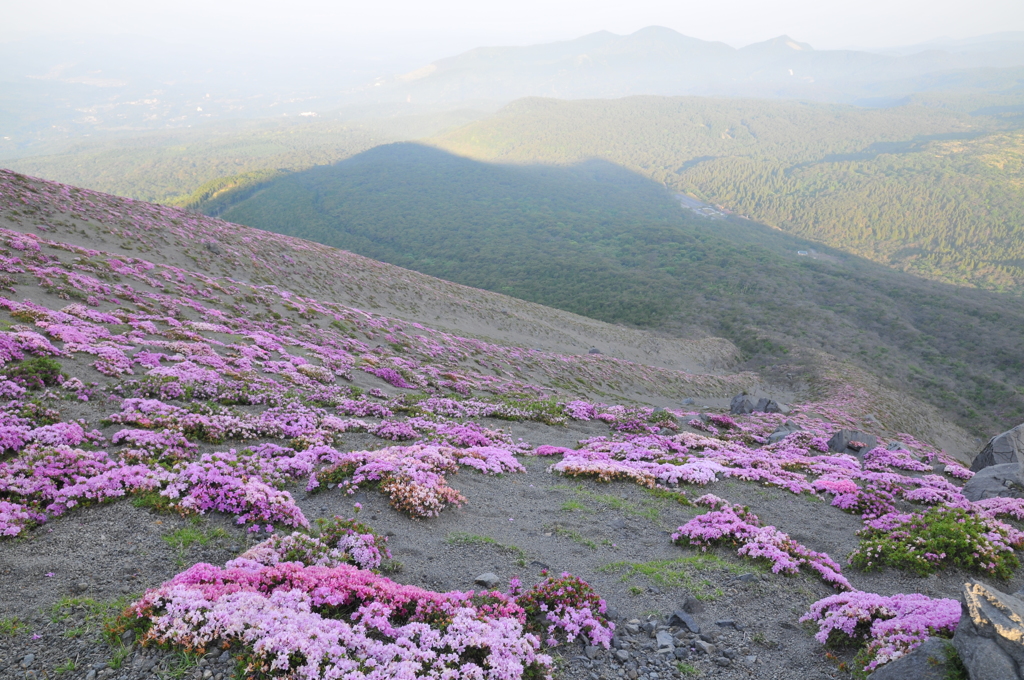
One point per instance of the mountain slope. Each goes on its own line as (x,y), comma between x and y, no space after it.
(596,240)
(933,192)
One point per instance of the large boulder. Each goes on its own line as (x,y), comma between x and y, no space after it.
(1002,449)
(990,636)
(926,662)
(741,404)
(995,480)
(766,405)
(853,442)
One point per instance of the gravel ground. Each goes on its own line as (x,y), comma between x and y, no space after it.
(60,580)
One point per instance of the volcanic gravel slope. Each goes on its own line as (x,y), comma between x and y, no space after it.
(190,364)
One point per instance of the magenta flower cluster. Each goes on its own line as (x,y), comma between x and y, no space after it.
(890,626)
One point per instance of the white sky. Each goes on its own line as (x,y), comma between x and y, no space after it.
(438,28)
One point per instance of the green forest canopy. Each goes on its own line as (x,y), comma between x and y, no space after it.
(930,191)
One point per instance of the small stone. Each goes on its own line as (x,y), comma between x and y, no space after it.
(749,660)
(725,623)
(684,620)
(224,658)
(612,614)
(632,675)
(632,628)
(592,651)
(664,639)
(682,652)
(207,674)
(489,580)
(692,605)
(593,350)
(80,586)
(91,675)
(723,662)
(622,655)
(704,647)
(28,660)
(127,638)
(730,654)
(747,578)
(688,401)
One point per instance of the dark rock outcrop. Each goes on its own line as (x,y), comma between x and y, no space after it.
(990,637)
(1002,449)
(853,442)
(741,404)
(993,481)
(927,662)
(766,405)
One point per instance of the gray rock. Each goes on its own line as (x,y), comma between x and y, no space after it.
(840,442)
(895,446)
(91,675)
(725,623)
(692,605)
(622,655)
(489,580)
(592,651)
(765,405)
(28,660)
(684,620)
(612,614)
(665,639)
(689,401)
(724,662)
(632,628)
(927,662)
(995,480)
(593,350)
(783,431)
(705,647)
(682,653)
(741,403)
(1002,449)
(127,638)
(990,636)
(749,661)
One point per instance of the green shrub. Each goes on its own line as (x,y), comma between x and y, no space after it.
(923,543)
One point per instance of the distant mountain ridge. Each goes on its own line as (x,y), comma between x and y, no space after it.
(660,61)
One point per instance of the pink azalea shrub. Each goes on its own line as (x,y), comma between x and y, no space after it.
(735,525)
(887,627)
(565,608)
(336,541)
(319,623)
(413,477)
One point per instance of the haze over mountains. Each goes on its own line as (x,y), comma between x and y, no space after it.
(657,60)
(55,90)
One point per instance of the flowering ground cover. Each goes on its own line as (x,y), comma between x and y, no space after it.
(203,395)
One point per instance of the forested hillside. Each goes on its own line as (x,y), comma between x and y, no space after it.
(930,191)
(601,241)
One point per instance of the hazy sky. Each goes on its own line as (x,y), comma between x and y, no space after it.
(438,28)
